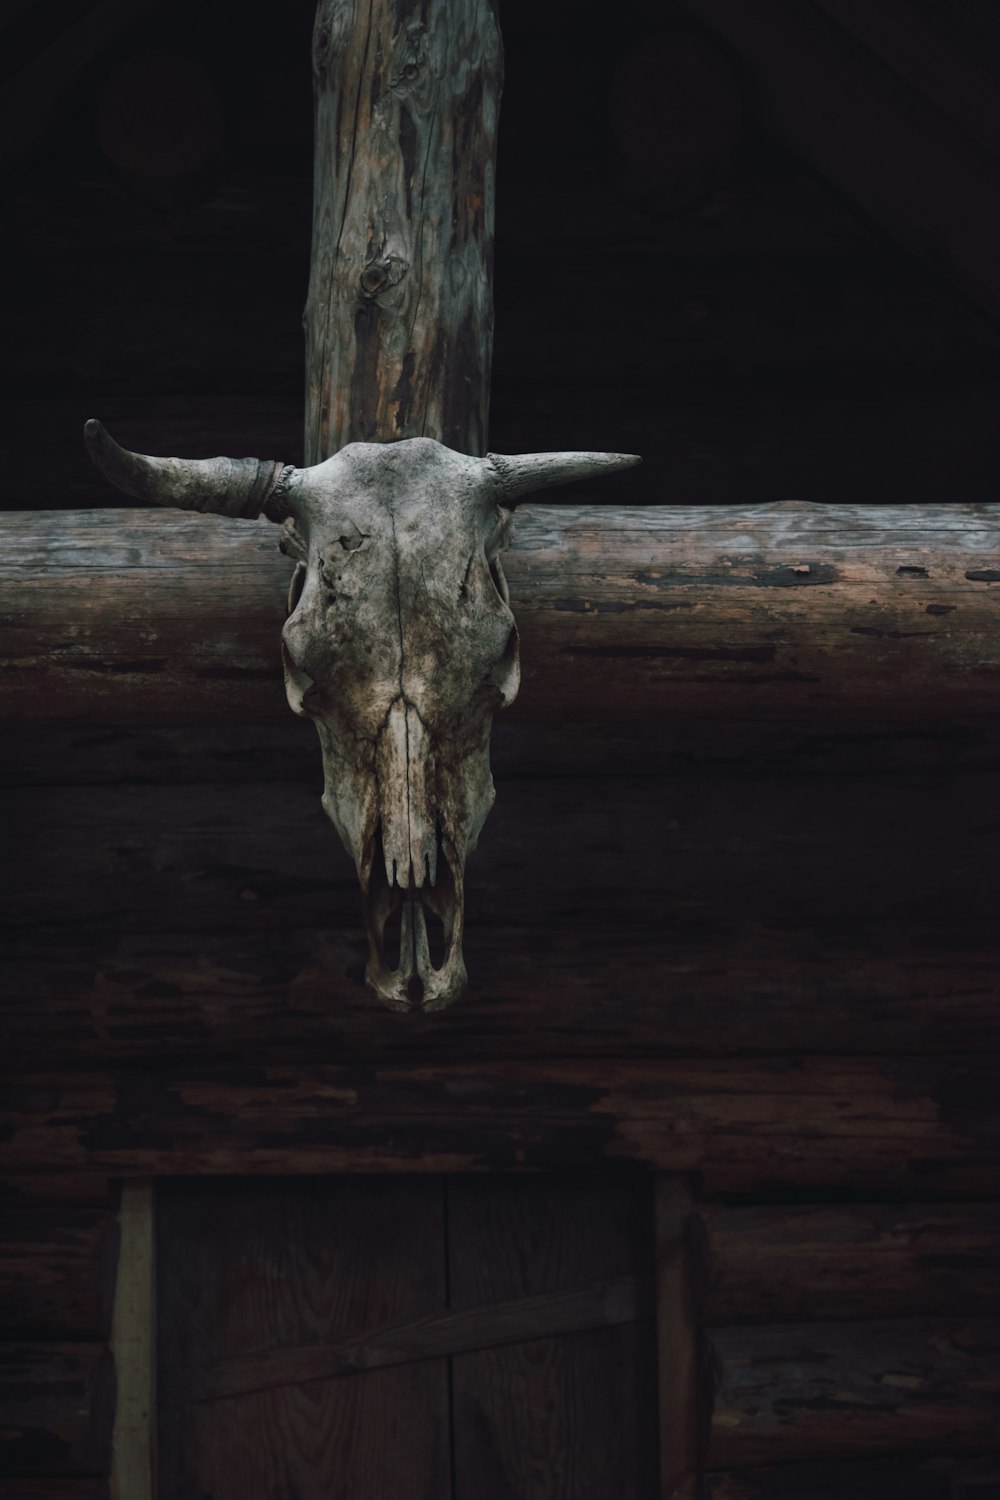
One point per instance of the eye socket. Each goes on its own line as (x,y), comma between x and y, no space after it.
(353,540)
(498,540)
(506,675)
(295,587)
(499,581)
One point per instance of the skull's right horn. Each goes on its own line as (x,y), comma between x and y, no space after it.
(239,487)
(520,474)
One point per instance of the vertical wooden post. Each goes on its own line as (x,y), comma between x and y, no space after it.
(399,321)
(133,1345)
(678,1340)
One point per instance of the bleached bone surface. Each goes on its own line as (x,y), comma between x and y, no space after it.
(400,645)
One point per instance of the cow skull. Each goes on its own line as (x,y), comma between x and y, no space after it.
(400,645)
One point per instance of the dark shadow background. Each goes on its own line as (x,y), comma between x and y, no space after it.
(669,279)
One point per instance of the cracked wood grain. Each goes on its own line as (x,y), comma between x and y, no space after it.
(922,1126)
(791,1392)
(399,317)
(810,616)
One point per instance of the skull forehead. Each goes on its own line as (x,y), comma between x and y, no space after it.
(416,485)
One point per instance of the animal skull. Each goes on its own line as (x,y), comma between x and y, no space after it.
(400,645)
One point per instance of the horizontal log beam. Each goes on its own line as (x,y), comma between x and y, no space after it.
(58,1409)
(214,997)
(793,1392)
(67,1488)
(621,854)
(807,1263)
(921,1126)
(722,916)
(57,1272)
(901,1477)
(793,613)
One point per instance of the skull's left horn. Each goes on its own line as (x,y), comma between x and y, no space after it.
(520,473)
(240,487)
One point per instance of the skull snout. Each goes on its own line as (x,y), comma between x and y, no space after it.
(414,884)
(404,768)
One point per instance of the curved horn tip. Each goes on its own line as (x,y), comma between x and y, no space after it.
(95,434)
(101,446)
(520,474)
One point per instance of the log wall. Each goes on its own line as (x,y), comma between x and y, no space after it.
(760,949)
(57,1376)
(764,916)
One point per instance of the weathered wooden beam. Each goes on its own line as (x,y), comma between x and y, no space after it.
(399,319)
(57,1403)
(816,1261)
(204,997)
(62,1489)
(793,1392)
(684,1401)
(794,613)
(926,1127)
(725,915)
(901,1477)
(625,854)
(854,119)
(57,1272)
(133,1348)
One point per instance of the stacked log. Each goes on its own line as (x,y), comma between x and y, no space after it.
(57,1376)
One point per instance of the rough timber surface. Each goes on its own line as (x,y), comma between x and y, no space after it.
(790,1263)
(58,1272)
(218,922)
(792,1392)
(916,1126)
(318,1261)
(900,1477)
(58,1407)
(399,319)
(792,613)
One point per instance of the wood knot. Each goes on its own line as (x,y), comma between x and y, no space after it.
(382,272)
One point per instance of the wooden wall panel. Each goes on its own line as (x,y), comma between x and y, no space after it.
(809,1262)
(57,1402)
(813,1391)
(631,854)
(213,923)
(133,1346)
(924,1127)
(248,1266)
(572,1416)
(62,1489)
(902,1477)
(57,1272)
(203,999)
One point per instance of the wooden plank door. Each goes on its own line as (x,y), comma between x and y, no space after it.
(255,1265)
(568,1417)
(465,1339)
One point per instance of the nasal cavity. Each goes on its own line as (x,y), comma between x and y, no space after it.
(392,936)
(437,943)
